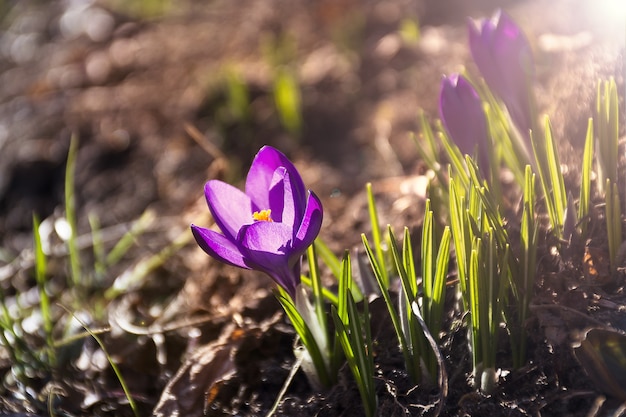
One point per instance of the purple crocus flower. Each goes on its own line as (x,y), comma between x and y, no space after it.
(504,58)
(461,112)
(268,227)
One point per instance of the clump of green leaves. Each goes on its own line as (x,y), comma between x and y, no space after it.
(354,335)
(607,114)
(551,177)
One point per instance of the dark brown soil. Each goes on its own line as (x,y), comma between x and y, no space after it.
(147,99)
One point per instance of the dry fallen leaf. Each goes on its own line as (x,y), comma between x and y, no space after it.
(200,376)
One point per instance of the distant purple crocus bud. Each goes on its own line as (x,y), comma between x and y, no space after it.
(461,112)
(269,226)
(504,57)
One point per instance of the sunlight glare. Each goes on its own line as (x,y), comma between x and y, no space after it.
(611,9)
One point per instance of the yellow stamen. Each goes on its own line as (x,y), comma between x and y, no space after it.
(263,215)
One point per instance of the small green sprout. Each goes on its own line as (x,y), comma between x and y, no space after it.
(287,100)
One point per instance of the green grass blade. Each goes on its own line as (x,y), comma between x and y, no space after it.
(99,252)
(410,328)
(613,222)
(442,378)
(116,370)
(460,237)
(385,292)
(340,309)
(328,257)
(427,253)
(70,212)
(585,182)
(427,148)
(541,163)
(123,245)
(44,300)
(607,124)
(354,347)
(408,261)
(395,319)
(528,235)
(474,304)
(345,282)
(376,236)
(439,283)
(349,336)
(455,157)
(328,294)
(318,297)
(556,177)
(134,277)
(360,345)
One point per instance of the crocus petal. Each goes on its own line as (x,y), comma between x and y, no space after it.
(283,202)
(310,226)
(261,173)
(218,246)
(461,111)
(504,58)
(277,196)
(268,247)
(230,207)
(462,114)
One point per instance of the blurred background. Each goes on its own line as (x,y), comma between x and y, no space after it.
(339,83)
(336,82)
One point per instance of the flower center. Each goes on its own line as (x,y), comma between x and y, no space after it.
(263,215)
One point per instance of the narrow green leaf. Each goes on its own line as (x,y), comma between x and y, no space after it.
(99,252)
(70,212)
(439,284)
(556,177)
(387,298)
(345,283)
(427,252)
(607,124)
(585,181)
(613,222)
(442,378)
(410,328)
(318,297)
(350,336)
(408,261)
(328,294)
(44,300)
(378,244)
(114,366)
(460,236)
(474,303)
(358,353)
(455,157)
(544,178)
(123,245)
(306,336)
(328,257)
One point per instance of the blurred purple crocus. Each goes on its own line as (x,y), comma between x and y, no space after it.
(269,226)
(504,58)
(461,112)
